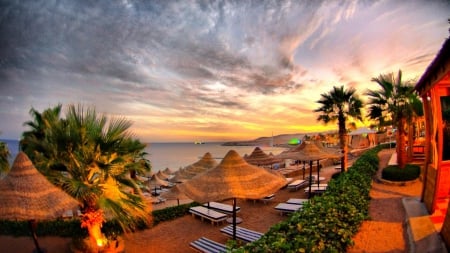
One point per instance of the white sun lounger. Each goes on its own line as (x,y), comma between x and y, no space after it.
(297,184)
(287,208)
(296,201)
(206,245)
(209,214)
(242,234)
(317,188)
(223,208)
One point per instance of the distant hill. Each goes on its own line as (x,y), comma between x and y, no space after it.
(278,140)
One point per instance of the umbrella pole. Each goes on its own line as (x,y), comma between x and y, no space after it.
(318,170)
(310,178)
(304,168)
(32,224)
(234,218)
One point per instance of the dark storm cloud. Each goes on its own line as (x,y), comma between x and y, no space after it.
(172,58)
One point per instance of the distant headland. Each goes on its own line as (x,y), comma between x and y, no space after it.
(281,140)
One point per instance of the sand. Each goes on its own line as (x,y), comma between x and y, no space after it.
(384,233)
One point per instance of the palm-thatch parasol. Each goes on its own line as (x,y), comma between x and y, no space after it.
(162,175)
(308,151)
(259,158)
(168,171)
(207,162)
(155,182)
(174,193)
(26,194)
(232,178)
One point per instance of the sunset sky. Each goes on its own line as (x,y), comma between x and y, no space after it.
(206,70)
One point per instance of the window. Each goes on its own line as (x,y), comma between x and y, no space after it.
(445,106)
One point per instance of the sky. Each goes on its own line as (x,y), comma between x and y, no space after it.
(206,70)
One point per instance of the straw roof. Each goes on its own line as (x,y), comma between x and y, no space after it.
(26,194)
(162,175)
(207,162)
(155,181)
(168,171)
(232,178)
(174,193)
(307,151)
(258,157)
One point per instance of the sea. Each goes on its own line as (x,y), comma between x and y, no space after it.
(175,155)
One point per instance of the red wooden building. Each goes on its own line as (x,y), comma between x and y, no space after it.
(434,89)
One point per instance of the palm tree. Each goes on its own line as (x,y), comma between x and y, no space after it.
(339,105)
(4,155)
(393,102)
(96,156)
(31,140)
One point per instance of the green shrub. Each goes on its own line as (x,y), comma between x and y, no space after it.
(72,227)
(394,173)
(326,223)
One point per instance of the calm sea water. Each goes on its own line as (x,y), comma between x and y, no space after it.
(176,155)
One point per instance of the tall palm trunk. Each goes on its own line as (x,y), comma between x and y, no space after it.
(401,144)
(343,142)
(411,130)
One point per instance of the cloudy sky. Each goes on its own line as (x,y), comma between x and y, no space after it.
(206,70)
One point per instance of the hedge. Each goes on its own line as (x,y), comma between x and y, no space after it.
(72,227)
(327,223)
(394,173)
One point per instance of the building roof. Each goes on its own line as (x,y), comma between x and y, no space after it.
(437,71)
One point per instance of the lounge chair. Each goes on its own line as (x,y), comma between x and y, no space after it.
(67,214)
(297,184)
(317,188)
(223,208)
(158,200)
(242,234)
(209,214)
(296,201)
(268,198)
(206,245)
(314,179)
(287,208)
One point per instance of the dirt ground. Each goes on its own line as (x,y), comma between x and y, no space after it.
(383,233)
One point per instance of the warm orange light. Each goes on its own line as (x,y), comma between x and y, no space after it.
(100,242)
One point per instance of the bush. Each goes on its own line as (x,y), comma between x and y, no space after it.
(394,173)
(72,227)
(326,223)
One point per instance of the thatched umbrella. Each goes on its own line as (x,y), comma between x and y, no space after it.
(168,171)
(155,182)
(207,162)
(232,178)
(308,151)
(174,193)
(26,194)
(259,158)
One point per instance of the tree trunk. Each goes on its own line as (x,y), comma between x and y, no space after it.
(343,142)
(411,130)
(401,145)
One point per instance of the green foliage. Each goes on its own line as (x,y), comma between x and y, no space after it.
(90,156)
(326,223)
(394,173)
(171,213)
(72,227)
(4,155)
(64,228)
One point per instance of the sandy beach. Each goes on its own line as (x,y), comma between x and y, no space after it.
(383,233)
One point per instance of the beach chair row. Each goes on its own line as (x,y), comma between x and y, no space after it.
(297,184)
(206,245)
(290,206)
(213,211)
